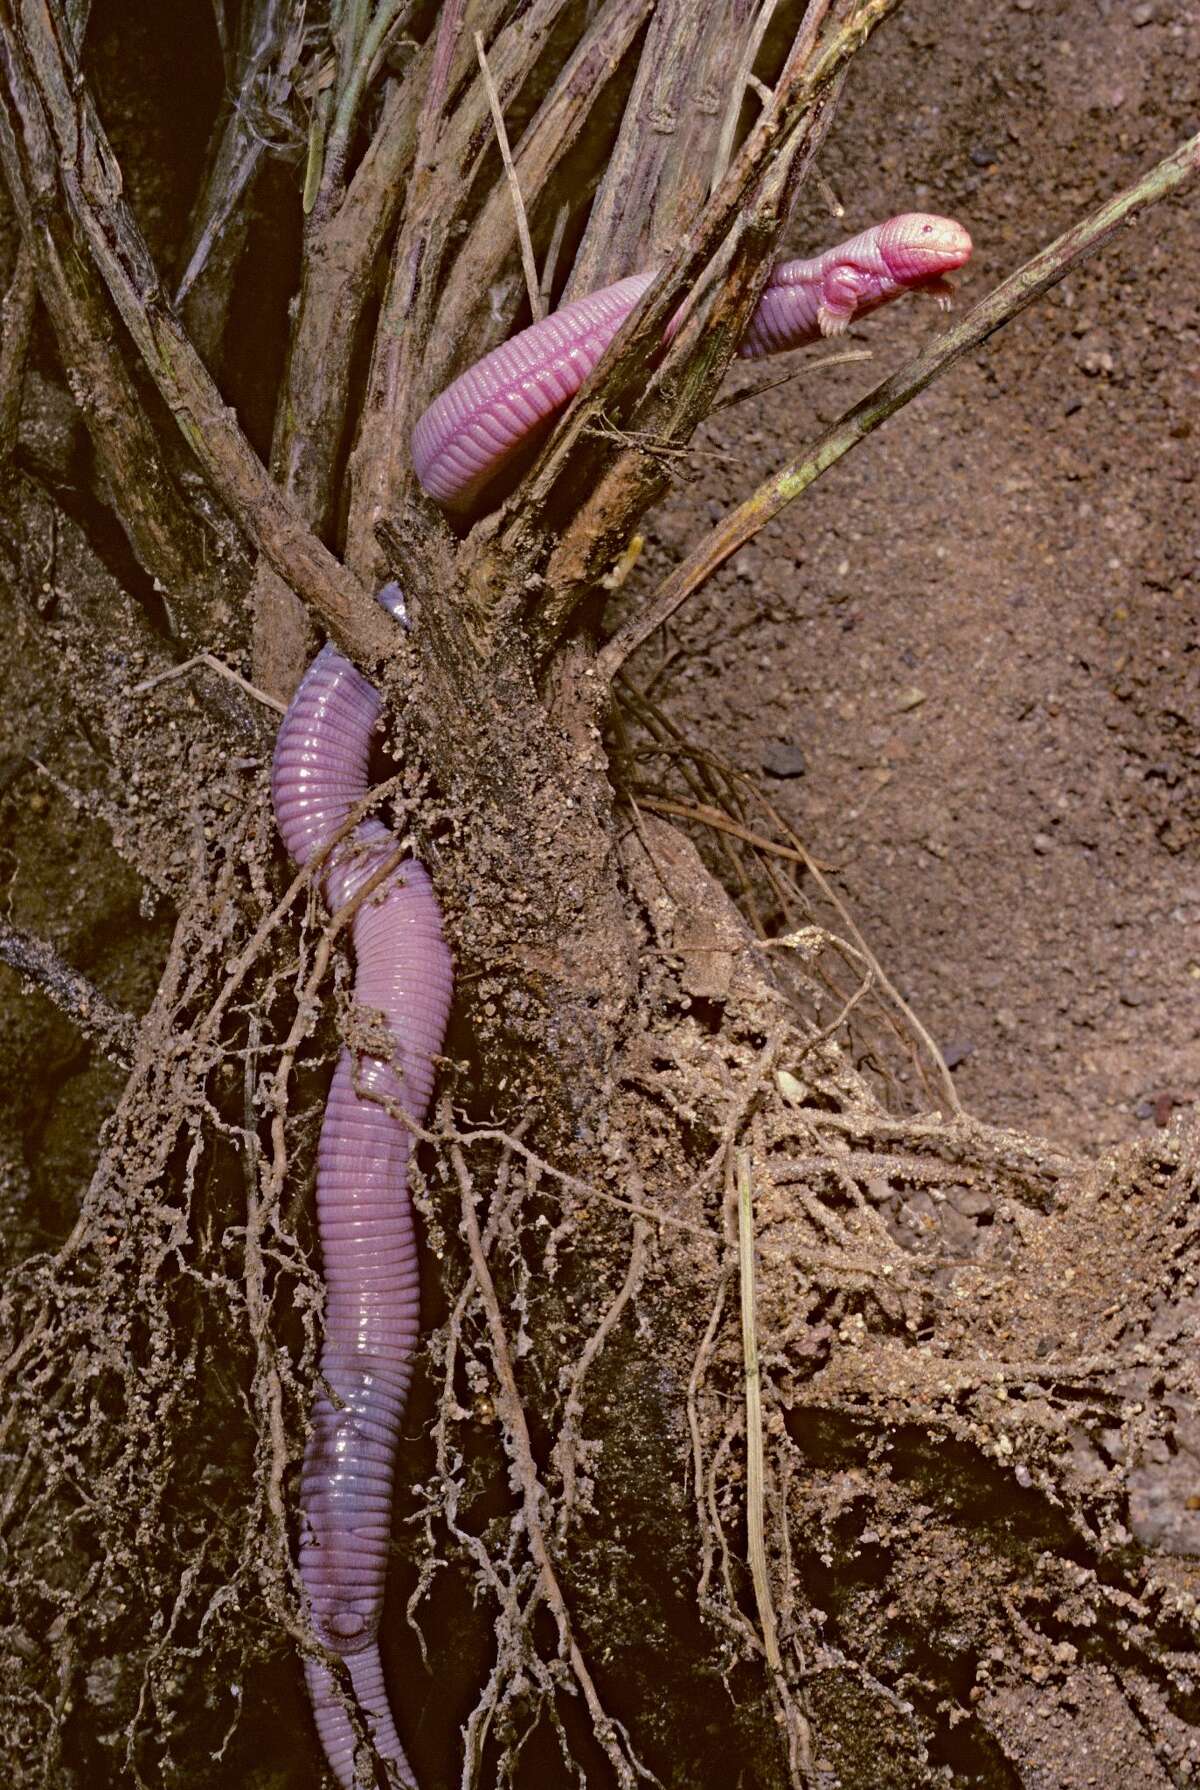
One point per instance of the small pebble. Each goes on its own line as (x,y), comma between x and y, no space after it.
(1042,843)
(954,1054)
(1144,14)
(780,758)
(911,698)
(982,156)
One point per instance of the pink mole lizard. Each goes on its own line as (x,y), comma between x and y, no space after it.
(321,770)
(474,428)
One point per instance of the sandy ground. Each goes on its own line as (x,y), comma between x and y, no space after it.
(981,631)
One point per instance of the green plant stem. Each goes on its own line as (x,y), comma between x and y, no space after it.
(1001,305)
(352,85)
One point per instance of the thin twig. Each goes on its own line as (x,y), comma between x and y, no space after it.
(214,664)
(799,1733)
(549,266)
(520,1447)
(1007,301)
(722,823)
(814,364)
(70,991)
(756,1539)
(740,80)
(528,261)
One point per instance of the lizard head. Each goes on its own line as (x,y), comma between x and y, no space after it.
(918,246)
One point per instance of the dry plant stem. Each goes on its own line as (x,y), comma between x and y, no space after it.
(222,670)
(1007,301)
(757,1547)
(508,1400)
(813,364)
(566,1447)
(437,93)
(214,239)
(406,366)
(704,1354)
(38,963)
(16,327)
(721,823)
(528,261)
(545,144)
(553,248)
(164,534)
(799,1735)
(744,223)
(342,245)
(745,69)
(664,144)
(797,854)
(48,106)
(342,249)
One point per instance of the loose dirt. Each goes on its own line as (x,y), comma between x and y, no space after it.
(978,637)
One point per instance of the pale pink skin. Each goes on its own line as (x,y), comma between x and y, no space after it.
(364,1212)
(479,423)
(320,772)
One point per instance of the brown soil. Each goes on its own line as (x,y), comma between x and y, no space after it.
(981,633)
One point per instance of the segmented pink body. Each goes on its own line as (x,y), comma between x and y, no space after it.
(364,1211)
(403,965)
(488,414)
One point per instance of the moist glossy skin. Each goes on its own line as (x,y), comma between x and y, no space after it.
(477,424)
(321,771)
(364,1210)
